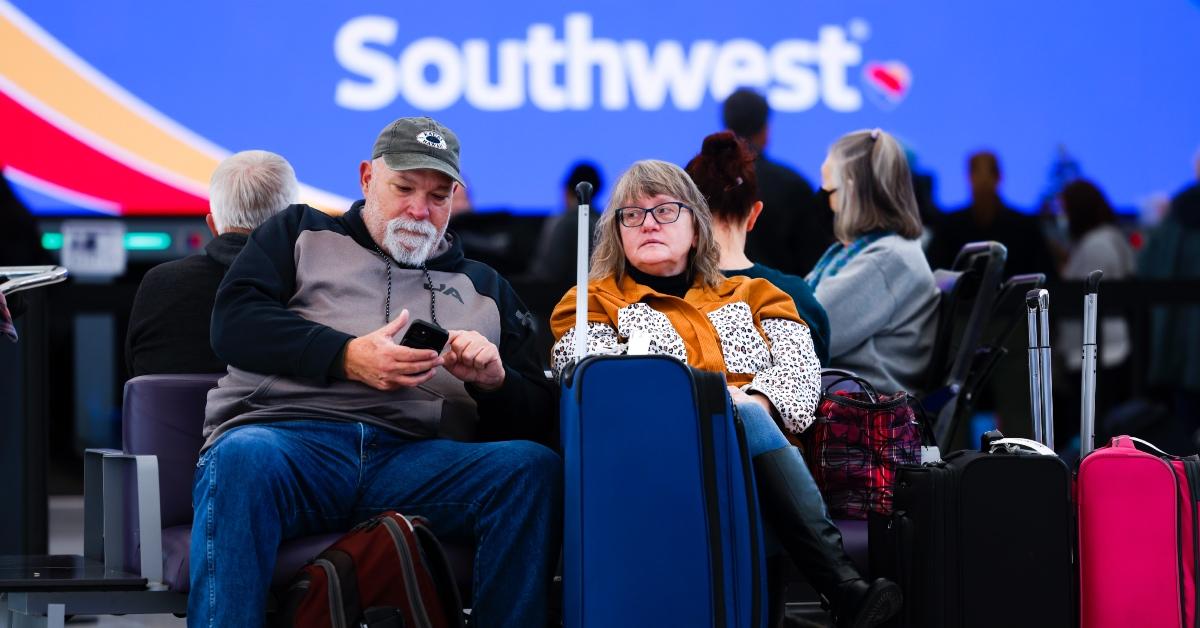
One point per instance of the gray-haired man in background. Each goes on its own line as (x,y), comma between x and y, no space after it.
(168,326)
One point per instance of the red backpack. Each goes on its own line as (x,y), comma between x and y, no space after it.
(389,571)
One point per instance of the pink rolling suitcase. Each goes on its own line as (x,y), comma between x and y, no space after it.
(1138,545)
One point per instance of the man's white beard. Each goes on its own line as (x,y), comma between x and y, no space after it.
(409,248)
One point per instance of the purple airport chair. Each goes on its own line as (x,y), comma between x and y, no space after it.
(161,424)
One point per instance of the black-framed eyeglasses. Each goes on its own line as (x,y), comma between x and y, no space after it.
(664,214)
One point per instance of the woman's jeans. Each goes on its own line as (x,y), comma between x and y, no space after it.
(262,484)
(762,434)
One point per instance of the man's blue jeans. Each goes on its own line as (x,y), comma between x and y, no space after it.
(262,484)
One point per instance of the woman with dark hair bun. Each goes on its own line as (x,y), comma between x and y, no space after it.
(724,173)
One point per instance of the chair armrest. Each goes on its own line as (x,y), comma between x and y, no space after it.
(104,509)
(93,502)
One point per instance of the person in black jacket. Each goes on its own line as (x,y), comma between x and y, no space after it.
(989,217)
(169,322)
(556,244)
(793,230)
(327,418)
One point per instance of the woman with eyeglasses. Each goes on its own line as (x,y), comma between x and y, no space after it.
(875,283)
(655,283)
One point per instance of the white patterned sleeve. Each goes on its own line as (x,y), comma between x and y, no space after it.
(793,382)
(602,339)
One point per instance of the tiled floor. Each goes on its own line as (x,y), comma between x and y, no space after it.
(66,537)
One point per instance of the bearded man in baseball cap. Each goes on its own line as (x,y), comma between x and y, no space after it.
(325,419)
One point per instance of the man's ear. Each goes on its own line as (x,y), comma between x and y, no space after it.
(212,224)
(364,176)
(755,210)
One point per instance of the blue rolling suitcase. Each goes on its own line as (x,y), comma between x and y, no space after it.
(661,515)
(661,523)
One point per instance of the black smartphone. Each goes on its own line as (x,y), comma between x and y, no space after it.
(425,335)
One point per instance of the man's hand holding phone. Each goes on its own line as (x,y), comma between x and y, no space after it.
(379,362)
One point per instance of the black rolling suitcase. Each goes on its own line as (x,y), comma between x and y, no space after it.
(984,538)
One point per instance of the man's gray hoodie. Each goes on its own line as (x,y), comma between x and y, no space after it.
(308,283)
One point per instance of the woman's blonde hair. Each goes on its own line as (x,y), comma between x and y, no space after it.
(871,173)
(646,178)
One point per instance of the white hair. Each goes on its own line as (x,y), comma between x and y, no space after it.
(249,187)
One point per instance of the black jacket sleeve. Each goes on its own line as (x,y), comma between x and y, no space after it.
(526,406)
(252,328)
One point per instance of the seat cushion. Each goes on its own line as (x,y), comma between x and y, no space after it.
(293,554)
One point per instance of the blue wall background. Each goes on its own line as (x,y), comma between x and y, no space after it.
(1112,82)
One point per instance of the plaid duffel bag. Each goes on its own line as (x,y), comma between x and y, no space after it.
(856,443)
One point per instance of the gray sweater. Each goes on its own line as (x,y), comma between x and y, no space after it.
(882,308)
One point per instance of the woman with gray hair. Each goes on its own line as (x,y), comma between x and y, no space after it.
(875,283)
(655,287)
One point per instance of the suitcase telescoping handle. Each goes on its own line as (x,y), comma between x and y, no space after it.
(1087,410)
(1041,396)
(583,192)
(1035,379)
(1047,380)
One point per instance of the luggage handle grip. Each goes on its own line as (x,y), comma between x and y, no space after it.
(1118,441)
(1025,443)
(847,376)
(833,371)
(928,439)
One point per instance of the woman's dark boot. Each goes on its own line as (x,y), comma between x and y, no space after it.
(796,512)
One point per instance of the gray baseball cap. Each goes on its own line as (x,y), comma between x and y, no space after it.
(418,143)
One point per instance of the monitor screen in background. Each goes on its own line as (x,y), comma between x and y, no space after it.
(126,108)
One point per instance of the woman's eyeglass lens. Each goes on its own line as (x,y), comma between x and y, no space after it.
(664,214)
